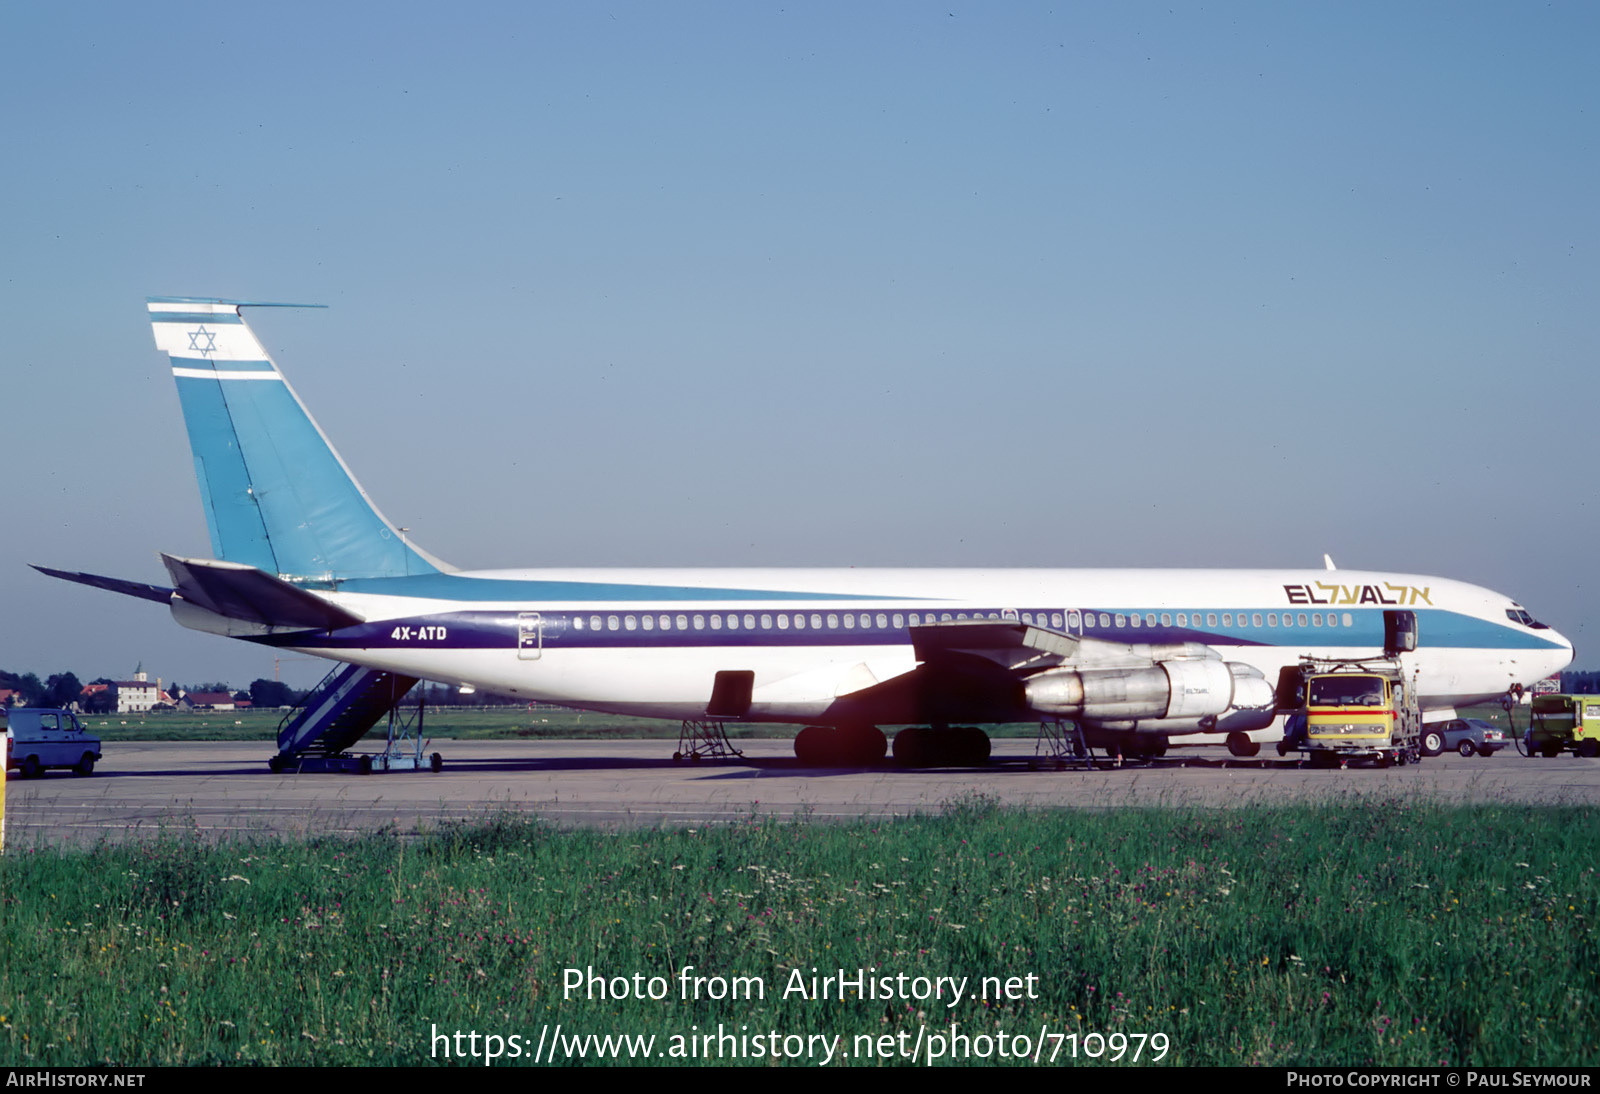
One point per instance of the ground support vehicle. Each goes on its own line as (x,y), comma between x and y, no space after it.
(1563,723)
(1341,711)
(43,737)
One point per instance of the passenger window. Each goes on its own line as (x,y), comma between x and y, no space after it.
(683,622)
(749,621)
(611,622)
(849,621)
(1227,619)
(1055,619)
(630,622)
(1272,619)
(1211,619)
(1316,619)
(649,622)
(699,622)
(816,622)
(766,621)
(1183,620)
(1349,620)
(783,621)
(833,621)
(899,620)
(1166,619)
(1121,619)
(1136,619)
(1256,619)
(716,622)
(577,622)
(1302,619)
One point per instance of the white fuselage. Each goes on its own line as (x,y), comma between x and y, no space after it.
(651,642)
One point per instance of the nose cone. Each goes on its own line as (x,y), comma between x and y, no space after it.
(1558,657)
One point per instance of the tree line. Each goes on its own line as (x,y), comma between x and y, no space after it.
(63,689)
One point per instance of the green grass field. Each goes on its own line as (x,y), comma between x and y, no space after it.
(1399,934)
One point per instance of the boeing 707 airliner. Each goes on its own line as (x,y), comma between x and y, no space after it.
(305,561)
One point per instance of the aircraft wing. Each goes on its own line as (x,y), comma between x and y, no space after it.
(1020,647)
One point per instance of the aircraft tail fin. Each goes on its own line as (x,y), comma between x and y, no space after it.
(277,496)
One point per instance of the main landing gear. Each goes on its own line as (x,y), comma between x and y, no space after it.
(918,746)
(846,746)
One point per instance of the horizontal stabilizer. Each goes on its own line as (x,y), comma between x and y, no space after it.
(236,591)
(139,589)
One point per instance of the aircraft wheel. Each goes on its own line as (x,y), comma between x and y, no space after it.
(436,763)
(864,745)
(813,746)
(1240,744)
(1432,743)
(911,746)
(85,765)
(1466,749)
(677,757)
(972,746)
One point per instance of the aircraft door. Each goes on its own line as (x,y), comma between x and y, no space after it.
(1399,633)
(530,636)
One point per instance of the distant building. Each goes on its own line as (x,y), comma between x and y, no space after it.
(210,700)
(137,695)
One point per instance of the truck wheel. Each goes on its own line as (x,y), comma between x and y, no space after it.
(1466,749)
(32,768)
(85,765)
(1589,749)
(1432,743)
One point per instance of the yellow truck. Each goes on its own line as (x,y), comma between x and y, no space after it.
(1351,710)
(1564,723)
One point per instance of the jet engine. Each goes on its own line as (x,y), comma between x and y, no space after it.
(1194,690)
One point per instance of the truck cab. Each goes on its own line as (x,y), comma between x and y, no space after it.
(1355,710)
(43,737)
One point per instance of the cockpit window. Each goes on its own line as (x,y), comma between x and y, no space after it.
(1520,615)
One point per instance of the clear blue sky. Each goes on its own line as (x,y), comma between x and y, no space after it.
(820,284)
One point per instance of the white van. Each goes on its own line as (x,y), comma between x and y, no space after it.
(43,737)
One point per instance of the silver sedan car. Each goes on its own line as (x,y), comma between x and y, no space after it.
(1468,736)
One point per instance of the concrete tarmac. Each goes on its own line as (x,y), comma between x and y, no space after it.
(224,789)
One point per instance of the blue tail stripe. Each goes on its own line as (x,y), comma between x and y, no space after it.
(187,318)
(232,518)
(224,366)
(319,522)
